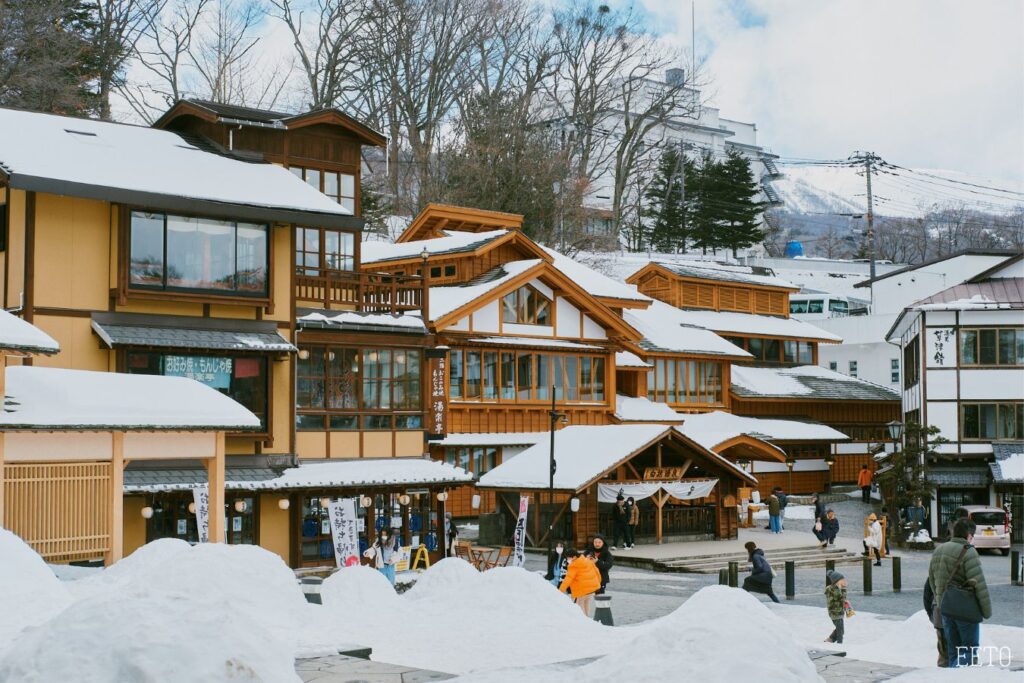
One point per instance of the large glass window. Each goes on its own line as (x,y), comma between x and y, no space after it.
(186,253)
(476,459)
(992,346)
(341,187)
(243,378)
(341,388)
(525,376)
(685,381)
(993,421)
(526,306)
(320,249)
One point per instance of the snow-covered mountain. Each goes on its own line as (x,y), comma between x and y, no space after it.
(814,190)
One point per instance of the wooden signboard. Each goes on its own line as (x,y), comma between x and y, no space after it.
(437,394)
(663,473)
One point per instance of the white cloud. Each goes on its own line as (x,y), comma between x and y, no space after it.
(923,83)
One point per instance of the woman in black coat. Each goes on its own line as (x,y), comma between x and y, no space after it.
(760,579)
(602,557)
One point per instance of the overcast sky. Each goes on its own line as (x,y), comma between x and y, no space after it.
(922,83)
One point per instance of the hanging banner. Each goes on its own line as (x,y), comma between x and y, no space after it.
(437,397)
(519,554)
(344,525)
(680,490)
(201,498)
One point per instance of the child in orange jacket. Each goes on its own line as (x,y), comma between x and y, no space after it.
(582,578)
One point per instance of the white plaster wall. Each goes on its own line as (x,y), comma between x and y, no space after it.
(895,293)
(999,384)
(941,384)
(57,446)
(873,360)
(968,318)
(591,330)
(542,288)
(462,325)
(169,446)
(941,318)
(567,319)
(516,330)
(976,447)
(944,416)
(940,347)
(486,319)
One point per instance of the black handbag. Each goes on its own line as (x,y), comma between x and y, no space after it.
(960,602)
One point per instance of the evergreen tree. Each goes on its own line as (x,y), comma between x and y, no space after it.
(740,212)
(703,199)
(666,209)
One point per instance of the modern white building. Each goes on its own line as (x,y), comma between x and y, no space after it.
(962,354)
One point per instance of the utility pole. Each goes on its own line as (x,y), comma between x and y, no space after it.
(868,158)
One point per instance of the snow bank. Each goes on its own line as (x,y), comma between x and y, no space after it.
(791,512)
(118,637)
(29,592)
(359,590)
(974,674)
(448,575)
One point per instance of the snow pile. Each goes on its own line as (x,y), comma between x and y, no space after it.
(359,590)
(117,637)
(696,642)
(1011,468)
(791,512)
(921,536)
(974,674)
(29,592)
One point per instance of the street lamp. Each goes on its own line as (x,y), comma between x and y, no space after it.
(556,417)
(790,462)
(830,460)
(895,430)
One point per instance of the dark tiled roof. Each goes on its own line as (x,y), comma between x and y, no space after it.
(1002,451)
(1008,290)
(838,387)
(232,111)
(940,259)
(186,478)
(115,336)
(953,477)
(765,278)
(461,249)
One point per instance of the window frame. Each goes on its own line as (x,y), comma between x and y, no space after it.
(1000,407)
(526,311)
(302,173)
(321,253)
(163,291)
(530,361)
(997,331)
(690,377)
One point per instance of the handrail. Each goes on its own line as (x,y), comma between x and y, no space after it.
(364,292)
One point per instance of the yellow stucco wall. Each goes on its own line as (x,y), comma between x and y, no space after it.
(344,445)
(376,445)
(409,443)
(72,261)
(311,444)
(275,525)
(16,249)
(79,346)
(134,524)
(282,264)
(280,377)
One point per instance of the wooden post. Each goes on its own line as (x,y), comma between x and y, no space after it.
(1,477)
(659,501)
(215,476)
(116,551)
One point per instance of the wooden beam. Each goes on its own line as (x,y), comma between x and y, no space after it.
(633,470)
(116,551)
(659,502)
(686,466)
(657,461)
(561,511)
(215,475)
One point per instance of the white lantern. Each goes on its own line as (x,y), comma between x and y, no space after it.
(443,496)
(574,504)
(191,508)
(365,501)
(240,505)
(325,501)
(404,499)
(284,503)
(304,354)
(147,512)
(476,501)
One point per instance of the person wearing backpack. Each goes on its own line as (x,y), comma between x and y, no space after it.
(961,594)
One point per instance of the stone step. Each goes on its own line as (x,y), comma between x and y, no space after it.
(810,562)
(743,553)
(773,557)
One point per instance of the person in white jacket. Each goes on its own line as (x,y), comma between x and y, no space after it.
(384,554)
(873,540)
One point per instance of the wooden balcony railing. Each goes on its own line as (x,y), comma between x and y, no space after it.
(363,292)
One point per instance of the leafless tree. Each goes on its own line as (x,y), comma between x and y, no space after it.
(119,24)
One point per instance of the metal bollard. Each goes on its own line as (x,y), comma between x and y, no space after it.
(897,575)
(723,577)
(867,576)
(311,588)
(734,574)
(830,565)
(1015,578)
(603,609)
(790,579)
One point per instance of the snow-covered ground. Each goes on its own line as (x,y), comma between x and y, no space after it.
(235,613)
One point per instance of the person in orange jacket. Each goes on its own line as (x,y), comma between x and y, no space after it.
(864,482)
(582,578)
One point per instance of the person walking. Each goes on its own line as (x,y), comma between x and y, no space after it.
(384,554)
(956,568)
(557,562)
(836,604)
(602,557)
(864,482)
(940,635)
(634,520)
(620,522)
(453,533)
(774,514)
(761,573)
(582,580)
(819,520)
(873,539)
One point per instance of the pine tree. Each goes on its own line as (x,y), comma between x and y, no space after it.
(703,199)
(740,211)
(666,208)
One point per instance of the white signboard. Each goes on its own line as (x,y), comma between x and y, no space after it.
(344,525)
(519,554)
(941,348)
(201,498)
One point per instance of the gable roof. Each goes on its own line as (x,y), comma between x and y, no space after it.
(666,330)
(449,303)
(938,259)
(451,243)
(608,290)
(745,275)
(717,427)
(990,294)
(437,217)
(743,324)
(804,382)
(157,169)
(218,112)
(21,337)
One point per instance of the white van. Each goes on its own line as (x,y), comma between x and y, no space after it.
(818,306)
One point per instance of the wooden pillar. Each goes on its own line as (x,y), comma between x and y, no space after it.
(116,551)
(3,372)
(659,501)
(215,476)
(657,461)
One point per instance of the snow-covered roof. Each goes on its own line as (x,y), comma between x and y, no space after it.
(444,300)
(805,382)
(59,399)
(595,283)
(364,472)
(536,342)
(627,359)
(492,439)
(137,164)
(727,322)
(716,427)
(130,330)
(583,454)
(452,243)
(668,329)
(726,273)
(1008,467)
(24,337)
(642,409)
(355,320)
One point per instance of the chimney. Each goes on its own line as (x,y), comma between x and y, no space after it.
(675,77)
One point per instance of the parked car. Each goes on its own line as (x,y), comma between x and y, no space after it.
(993,526)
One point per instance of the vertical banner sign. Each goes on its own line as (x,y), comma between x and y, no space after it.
(437,397)
(519,554)
(344,525)
(201,498)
